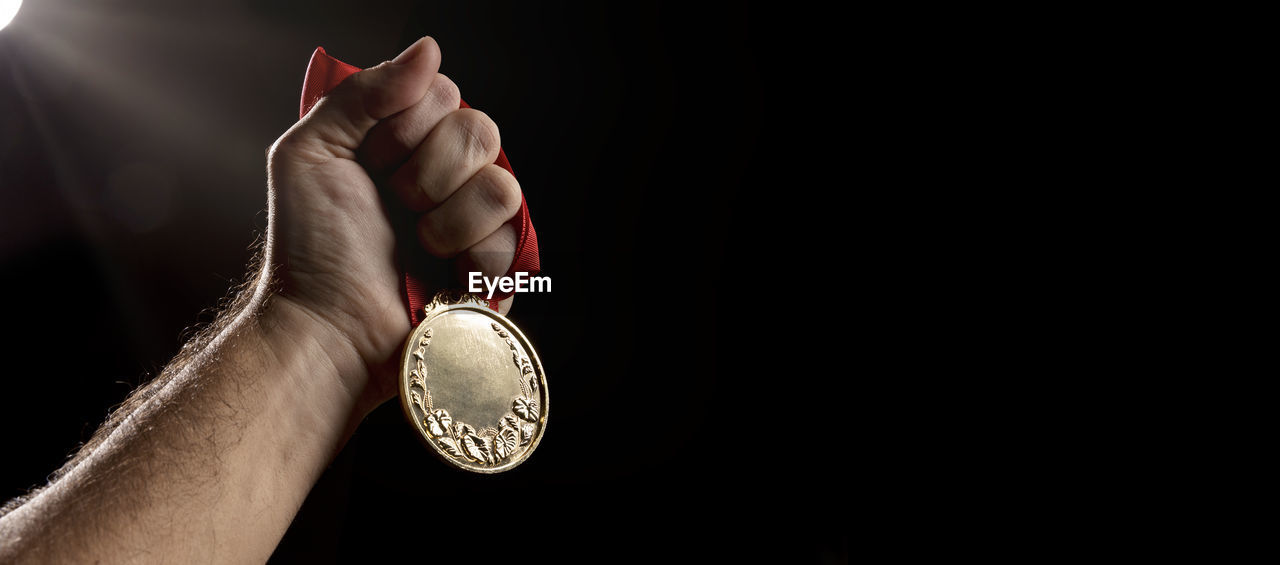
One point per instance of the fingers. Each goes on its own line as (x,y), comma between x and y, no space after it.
(441,162)
(394,139)
(472,214)
(491,256)
(462,144)
(338,124)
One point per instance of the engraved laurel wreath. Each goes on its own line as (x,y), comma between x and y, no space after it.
(489,446)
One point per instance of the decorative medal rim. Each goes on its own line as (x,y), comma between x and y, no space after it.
(439,306)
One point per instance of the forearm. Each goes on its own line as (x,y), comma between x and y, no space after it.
(214,465)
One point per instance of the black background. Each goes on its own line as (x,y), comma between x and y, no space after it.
(662,151)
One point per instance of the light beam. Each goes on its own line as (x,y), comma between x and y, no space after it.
(8,9)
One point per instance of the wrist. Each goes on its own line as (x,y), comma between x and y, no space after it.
(298,336)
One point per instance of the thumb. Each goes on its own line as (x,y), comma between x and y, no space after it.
(337,124)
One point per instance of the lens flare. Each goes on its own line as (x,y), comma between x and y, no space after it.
(8,9)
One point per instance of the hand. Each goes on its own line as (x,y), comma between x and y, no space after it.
(330,242)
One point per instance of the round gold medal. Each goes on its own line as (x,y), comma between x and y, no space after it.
(473,386)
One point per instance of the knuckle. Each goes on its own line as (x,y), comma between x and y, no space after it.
(497,250)
(493,254)
(445,92)
(500,191)
(479,133)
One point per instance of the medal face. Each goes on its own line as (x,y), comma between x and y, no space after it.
(473,387)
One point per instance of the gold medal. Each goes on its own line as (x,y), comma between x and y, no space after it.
(473,386)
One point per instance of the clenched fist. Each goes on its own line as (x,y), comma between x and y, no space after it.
(331,244)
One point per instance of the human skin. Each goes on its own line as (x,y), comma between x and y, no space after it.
(212,463)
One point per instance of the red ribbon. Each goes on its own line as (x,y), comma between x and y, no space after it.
(323,74)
